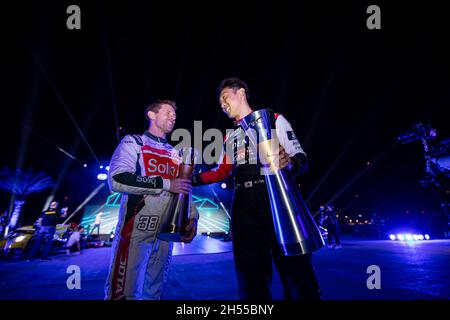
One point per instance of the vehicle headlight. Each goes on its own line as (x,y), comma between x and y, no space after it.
(19,239)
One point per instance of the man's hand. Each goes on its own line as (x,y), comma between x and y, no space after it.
(183,186)
(284,159)
(191,231)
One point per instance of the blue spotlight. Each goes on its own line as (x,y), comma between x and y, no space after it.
(400,237)
(420,236)
(102,176)
(392,237)
(408,237)
(416,237)
(101,167)
(85,165)
(223,185)
(427,237)
(107,168)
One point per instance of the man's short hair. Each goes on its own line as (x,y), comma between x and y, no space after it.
(235,84)
(54,202)
(155,106)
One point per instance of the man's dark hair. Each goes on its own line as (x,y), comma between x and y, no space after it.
(235,84)
(155,106)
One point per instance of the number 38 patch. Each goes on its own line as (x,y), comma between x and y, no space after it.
(147,223)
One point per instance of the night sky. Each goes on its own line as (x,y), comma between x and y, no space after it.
(348,91)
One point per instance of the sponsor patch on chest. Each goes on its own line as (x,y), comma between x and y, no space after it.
(160,162)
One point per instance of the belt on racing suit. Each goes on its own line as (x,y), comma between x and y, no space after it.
(249,184)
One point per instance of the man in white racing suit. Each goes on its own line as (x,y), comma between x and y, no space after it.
(255,247)
(144,168)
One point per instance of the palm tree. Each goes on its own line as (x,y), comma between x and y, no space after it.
(22,183)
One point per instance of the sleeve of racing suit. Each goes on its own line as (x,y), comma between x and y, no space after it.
(122,175)
(289,141)
(221,172)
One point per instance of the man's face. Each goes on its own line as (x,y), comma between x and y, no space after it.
(54,205)
(164,119)
(231,101)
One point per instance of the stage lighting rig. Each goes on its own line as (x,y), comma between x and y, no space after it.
(419,131)
(437,158)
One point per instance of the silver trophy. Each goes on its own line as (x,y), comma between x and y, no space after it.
(177,213)
(296,230)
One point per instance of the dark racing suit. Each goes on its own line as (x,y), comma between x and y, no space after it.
(141,168)
(254,242)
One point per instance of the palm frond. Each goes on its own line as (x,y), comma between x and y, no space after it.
(24,182)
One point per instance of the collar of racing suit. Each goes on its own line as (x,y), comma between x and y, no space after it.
(237,123)
(153,137)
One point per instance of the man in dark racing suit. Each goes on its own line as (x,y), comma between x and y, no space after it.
(254,241)
(145,168)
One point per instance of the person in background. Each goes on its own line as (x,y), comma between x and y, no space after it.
(98,219)
(331,224)
(48,221)
(3,222)
(74,242)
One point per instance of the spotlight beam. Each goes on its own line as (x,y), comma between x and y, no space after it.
(383,104)
(103,28)
(362,172)
(85,201)
(323,95)
(343,152)
(365,194)
(330,169)
(113,96)
(183,55)
(77,141)
(220,202)
(49,142)
(66,108)
(28,118)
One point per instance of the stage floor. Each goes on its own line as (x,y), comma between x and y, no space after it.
(204,270)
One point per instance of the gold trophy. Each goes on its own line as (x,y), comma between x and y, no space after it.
(177,213)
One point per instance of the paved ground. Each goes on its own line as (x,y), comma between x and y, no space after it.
(408,271)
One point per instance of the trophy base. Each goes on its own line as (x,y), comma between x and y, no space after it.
(298,249)
(170,233)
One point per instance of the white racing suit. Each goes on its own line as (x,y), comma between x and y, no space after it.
(141,168)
